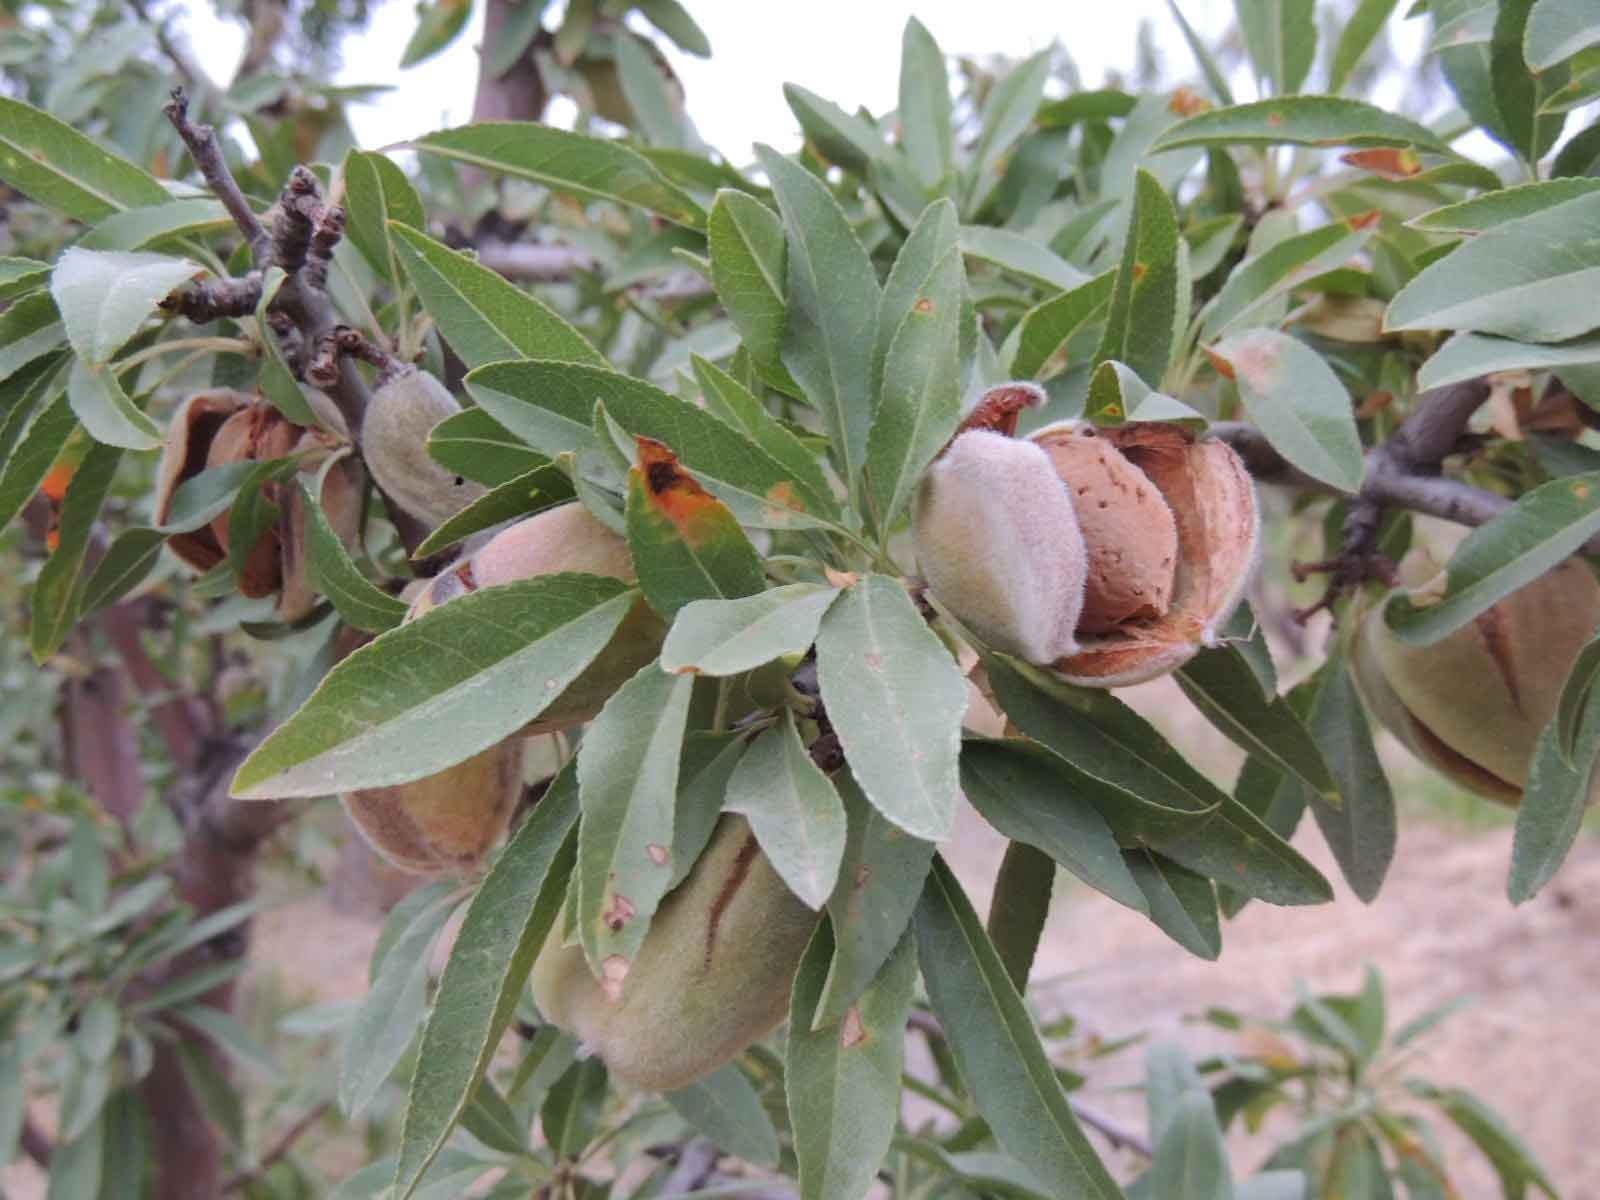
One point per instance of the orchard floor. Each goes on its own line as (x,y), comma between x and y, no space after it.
(1441,929)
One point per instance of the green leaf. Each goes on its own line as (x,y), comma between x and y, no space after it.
(109,416)
(1359,32)
(550,405)
(920,403)
(29,329)
(1279,270)
(505,925)
(1543,527)
(1142,322)
(1022,256)
(1220,682)
(439,22)
(587,167)
(1181,903)
(1018,908)
(737,406)
(1471,355)
(1027,797)
(657,112)
(839,137)
(77,1164)
(1360,827)
(1007,114)
(1292,394)
(686,543)
(64,170)
(925,109)
(545,486)
(879,881)
(1558,29)
(1116,394)
(126,563)
(672,19)
(896,699)
(395,1004)
(139,227)
(1513,1162)
(1150,794)
(843,1079)
(1299,121)
(484,318)
(1281,36)
(1553,805)
(476,446)
(1045,328)
(58,590)
(725,1107)
(628,781)
(1215,77)
(570,1115)
(276,380)
(104,296)
(748,268)
(1530,278)
(19,276)
(997,1047)
(833,305)
(727,637)
(202,498)
(793,810)
(439,689)
(1492,209)
(376,192)
(334,573)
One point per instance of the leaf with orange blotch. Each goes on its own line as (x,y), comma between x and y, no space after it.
(687,544)
(1387,162)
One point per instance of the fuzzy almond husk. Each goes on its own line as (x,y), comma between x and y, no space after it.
(394,442)
(192,429)
(713,974)
(446,823)
(256,433)
(1128,530)
(1473,704)
(564,538)
(998,541)
(1213,504)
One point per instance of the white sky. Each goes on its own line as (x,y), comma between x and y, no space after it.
(845,50)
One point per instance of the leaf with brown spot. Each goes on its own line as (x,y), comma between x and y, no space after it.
(686,543)
(1387,162)
(843,1080)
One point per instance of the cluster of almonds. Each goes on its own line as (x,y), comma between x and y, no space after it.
(1107,555)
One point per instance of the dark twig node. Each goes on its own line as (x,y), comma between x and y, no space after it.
(214,299)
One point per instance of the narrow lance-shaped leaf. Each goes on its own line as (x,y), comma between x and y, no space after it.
(376,191)
(1292,394)
(1007,114)
(107,413)
(1532,278)
(997,1047)
(895,698)
(533,491)
(1141,325)
(1472,355)
(1278,270)
(332,571)
(1551,813)
(748,269)
(725,1107)
(61,168)
(628,781)
(925,108)
(439,689)
(476,446)
(727,637)
(1299,120)
(128,560)
(1543,527)
(588,167)
(483,317)
(686,543)
(843,1079)
(793,810)
(833,304)
(1045,328)
(59,588)
(738,406)
(880,879)
(920,402)
(1019,907)
(505,925)
(1281,36)
(1359,32)
(1558,29)
(1182,903)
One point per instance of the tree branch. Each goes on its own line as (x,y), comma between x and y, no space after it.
(243,1179)
(207,155)
(36,1144)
